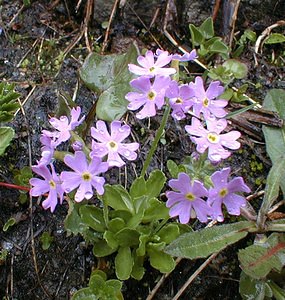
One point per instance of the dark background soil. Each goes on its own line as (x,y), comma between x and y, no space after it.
(30,42)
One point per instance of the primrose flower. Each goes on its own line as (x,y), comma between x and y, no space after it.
(151,95)
(186,202)
(50,184)
(224,192)
(186,56)
(47,150)
(84,176)
(63,126)
(111,144)
(205,100)
(211,138)
(180,99)
(150,67)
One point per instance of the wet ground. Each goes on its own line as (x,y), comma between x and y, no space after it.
(39,52)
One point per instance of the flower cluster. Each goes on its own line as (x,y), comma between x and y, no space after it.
(190,199)
(85,167)
(154,85)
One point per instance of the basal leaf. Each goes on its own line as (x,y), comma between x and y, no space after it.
(127,237)
(155,183)
(204,242)
(207,28)
(275,38)
(259,259)
(6,136)
(124,263)
(93,217)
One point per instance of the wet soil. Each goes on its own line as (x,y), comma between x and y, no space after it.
(32,41)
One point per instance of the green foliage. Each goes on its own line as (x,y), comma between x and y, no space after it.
(3,256)
(46,239)
(203,37)
(11,222)
(248,36)
(21,178)
(275,38)
(8,105)
(199,244)
(134,228)
(109,77)
(99,288)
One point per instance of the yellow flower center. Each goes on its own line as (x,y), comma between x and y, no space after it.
(190,197)
(151,69)
(213,137)
(151,95)
(112,145)
(86,176)
(206,102)
(52,184)
(179,101)
(223,192)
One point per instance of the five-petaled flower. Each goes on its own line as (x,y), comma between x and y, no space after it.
(186,201)
(205,100)
(150,67)
(63,126)
(151,95)
(84,176)
(224,192)
(111,144)
(51,185)
(212,139)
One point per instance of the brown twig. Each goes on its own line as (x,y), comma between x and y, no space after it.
(216,9)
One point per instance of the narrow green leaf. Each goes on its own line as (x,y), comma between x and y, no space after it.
(202,243)
(275,38)
(124,263)
(259,259)
(11,222)
(138,269)
(277,291)
(196,36)
(6,136)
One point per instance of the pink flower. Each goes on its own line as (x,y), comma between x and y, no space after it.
(111,144)
(186,56)
(225,192)
(150,67)
(150,95)
(63,126)
(186,202)
(84,176)
(50,184)
(205,100)
(212,139)
(180,99)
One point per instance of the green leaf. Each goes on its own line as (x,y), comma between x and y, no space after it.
(138,269)
(46,240)
(109,76)
(219,47)
(277,291)
(84,294)
(168,233)
(116,224)
(158,259)
(6,136)
(275,137)
(138,188)
(207,28)
(118,198)
(273,181)
(237,68)
(124,263)
(93,217)
(173,168)
(155,183)
(143,239)
(259,259)
(275,38)
(101,249)
(11,222)
(109,237)
(127,237)
(253,289)
(202,243)
(196,36)
(156,210)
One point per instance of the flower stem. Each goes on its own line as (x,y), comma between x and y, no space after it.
(14,186)
(159,134)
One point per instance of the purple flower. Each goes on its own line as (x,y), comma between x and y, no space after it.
(47,150)
(186,202)
(151,96)
(150,67)
(111,144)
(186,57)
(63,126)
(84,175)
(205,100)
(211,138)
(180,99)
(50,184)
(224,192)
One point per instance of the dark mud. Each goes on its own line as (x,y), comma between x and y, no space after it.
(30,45)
